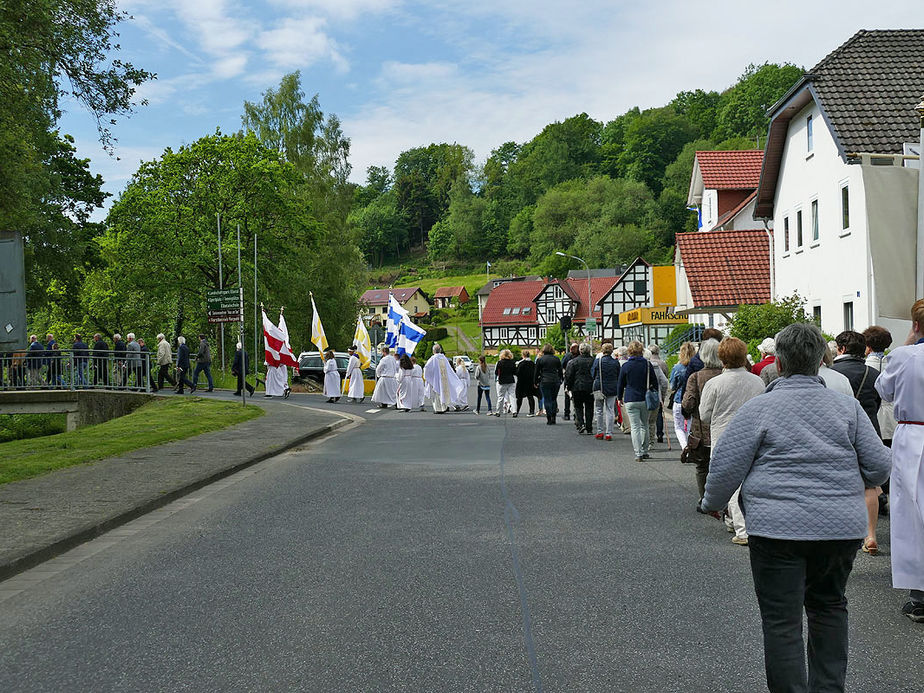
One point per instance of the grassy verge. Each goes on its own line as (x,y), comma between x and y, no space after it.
(160,421)
(23,426)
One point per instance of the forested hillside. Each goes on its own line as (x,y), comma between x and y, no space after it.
(605,191)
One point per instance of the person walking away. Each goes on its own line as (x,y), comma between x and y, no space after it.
(420,389)
(901,382)
(622,355)
(655,420)
(53,360)
(636,377)
(332,382)
(549,377)
(851,351)
(572,353)
(661,365)
(442,384)
(804,526)
(678,382)
(119,353)
(133,367)
(722,396)
(605,375)
(696,363)
(483,380)
(699,441)
(356,391)
(81,360)
(462,374)
(100,361)
(385,393)
(34,361)
(580,384)
(203,363)
(164,361)
(767,351)
(526,384)
(239,368)
(505,374)
(182,367)
(878,339)
(406,395)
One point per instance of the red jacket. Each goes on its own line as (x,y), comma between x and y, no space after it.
(759,366)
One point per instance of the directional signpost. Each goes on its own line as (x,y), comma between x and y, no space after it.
(591,326)
(225,305)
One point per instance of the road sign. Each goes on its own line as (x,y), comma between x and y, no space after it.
(225,305)
(591,325)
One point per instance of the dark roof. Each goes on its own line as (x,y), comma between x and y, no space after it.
(379,297)
(726,269)
(597,273)
(866,89)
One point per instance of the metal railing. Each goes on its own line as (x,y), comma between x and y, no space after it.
(69,369)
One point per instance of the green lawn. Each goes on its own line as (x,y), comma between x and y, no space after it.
(160,421)
(471,282)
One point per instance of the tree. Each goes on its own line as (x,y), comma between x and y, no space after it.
(160,245)
(652,141)
(753,324)
(380,228)
(744,107)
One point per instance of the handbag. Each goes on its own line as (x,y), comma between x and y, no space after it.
(652,400)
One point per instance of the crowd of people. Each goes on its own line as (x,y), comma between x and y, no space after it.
(129,364)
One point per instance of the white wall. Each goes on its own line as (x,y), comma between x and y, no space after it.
(836,268)
(710,207)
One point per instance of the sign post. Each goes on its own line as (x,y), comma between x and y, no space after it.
(225,305)
(591,326)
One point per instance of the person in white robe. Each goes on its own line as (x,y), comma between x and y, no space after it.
(277,380)
(461,402)
(354,373)
(407,389)
(443,385)
(902,383)
(331,377)
(417,376)
(386,383)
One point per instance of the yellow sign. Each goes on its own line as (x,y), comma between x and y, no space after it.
(650,316)
(664,278)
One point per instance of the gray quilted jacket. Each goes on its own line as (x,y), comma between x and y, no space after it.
(802,455)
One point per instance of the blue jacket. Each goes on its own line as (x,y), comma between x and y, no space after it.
(678,381)
(802,455)
(634,375)
(605,372)
(182,357)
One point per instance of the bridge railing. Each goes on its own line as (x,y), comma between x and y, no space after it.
(69,369)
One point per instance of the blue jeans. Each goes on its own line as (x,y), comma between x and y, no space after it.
(550,397)
(207,367)
(486,391)
(638,420)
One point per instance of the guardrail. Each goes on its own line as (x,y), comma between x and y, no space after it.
(70,369)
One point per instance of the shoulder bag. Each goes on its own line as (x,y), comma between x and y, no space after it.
(652,398)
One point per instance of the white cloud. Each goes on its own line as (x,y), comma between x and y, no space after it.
(340,9)
(299,43)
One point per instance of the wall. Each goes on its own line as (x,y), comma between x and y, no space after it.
(97,407)
(836,268)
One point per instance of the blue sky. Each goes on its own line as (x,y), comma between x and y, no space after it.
(401,74)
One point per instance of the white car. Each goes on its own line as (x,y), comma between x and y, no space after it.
(469,364)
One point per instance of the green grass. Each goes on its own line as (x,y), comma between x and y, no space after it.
(23,426)
(471,282)
(160,421)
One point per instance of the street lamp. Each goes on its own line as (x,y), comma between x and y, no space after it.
(590,306)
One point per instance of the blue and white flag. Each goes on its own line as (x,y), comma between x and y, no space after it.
(408,337)
(699,216)
(396,313)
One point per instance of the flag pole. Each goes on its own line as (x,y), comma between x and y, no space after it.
(255,333)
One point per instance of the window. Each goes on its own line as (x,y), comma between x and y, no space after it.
(848,315)
(816,314)
(506,311)
(809,135)
(527,310)
(845,207)
(814,220)
(641,287)
(515,311)
(799,229)
(785,234)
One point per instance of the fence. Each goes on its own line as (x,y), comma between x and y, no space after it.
(69,369)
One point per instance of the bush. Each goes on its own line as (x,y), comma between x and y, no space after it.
(436,334)
(514,349)
(755,323)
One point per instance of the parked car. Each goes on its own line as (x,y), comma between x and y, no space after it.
(469,364)
(310,365)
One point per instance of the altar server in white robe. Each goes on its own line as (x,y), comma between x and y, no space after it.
(386,384)
(332,383)
(407,390)
(417,376)
(902,383)
(461,402)
(443,385)
(356,393)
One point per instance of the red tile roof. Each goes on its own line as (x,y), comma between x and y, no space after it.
(726,268)
(449,291)
(512,295)
(732,213)
(379,297)
(731,170)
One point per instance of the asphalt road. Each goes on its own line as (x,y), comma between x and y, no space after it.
(428,553)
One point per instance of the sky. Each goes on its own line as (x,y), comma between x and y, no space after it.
(401,74)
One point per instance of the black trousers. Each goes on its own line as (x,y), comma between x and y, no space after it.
(164,374)
(659,425)
(241,383)
(790,576)
(583,409)
(529,398)
(550,398)
(567,403)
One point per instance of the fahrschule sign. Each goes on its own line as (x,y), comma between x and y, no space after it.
(650,316)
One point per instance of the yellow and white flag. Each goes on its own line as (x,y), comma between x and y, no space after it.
(318,338)
(363,344)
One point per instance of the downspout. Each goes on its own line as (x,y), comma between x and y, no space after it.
(772,259)
(919,266)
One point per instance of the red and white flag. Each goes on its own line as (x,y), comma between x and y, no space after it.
(276,345)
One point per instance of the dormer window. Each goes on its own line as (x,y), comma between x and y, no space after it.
(506,311)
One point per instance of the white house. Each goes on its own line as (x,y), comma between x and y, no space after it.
(835,184)
(723,187)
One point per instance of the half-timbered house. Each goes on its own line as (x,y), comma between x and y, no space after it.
(632,290)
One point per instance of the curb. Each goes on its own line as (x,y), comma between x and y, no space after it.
(38,556)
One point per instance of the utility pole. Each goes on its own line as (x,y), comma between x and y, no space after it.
(221,286)
(240,289)
(255,321)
